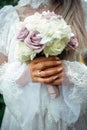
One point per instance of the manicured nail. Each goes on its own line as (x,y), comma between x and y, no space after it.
(55,77)
(59,69)
(58,62)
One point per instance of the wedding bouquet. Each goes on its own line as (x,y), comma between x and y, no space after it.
(45,33)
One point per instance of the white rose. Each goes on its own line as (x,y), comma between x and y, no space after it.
(23,53)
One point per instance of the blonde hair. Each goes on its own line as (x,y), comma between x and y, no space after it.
(73,13)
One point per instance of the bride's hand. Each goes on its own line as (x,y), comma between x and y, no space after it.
(47,70)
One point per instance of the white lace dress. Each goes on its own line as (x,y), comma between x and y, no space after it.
(28,105)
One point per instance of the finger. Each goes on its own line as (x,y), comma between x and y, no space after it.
(52,72)
(49,72)
(58,81)
(40,59)
(60,75)
(48,80)
(47,64)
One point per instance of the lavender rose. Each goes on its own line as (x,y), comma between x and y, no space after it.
(73,43)
(33,42)
(23,34)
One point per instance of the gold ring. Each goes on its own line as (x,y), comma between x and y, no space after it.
(39,74)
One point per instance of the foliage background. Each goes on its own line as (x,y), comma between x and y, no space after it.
(8,2)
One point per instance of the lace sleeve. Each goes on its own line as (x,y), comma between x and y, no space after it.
(75,86)
(7,18)
(17,91)
(13,77)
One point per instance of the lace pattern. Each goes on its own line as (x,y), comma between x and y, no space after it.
(77,83)
(9,88)
(37,95)
(33,3)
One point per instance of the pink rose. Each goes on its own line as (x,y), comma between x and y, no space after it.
(73,43)
(33,42)
(23,34)
(49,15)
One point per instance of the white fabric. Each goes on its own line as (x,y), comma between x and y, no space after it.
(33,3)
(29,106)
(6,26)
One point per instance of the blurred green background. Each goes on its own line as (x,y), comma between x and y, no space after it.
(7,2)
(2,108)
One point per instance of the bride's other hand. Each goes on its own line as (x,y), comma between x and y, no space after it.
(47,70)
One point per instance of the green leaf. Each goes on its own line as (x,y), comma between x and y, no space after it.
(2,108)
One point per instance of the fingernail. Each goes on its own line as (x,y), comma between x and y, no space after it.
(58,62)
(55,77)
(59,69)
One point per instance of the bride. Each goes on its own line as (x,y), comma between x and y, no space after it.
(28,105)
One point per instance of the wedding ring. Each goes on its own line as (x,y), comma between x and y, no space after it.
(39,74)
